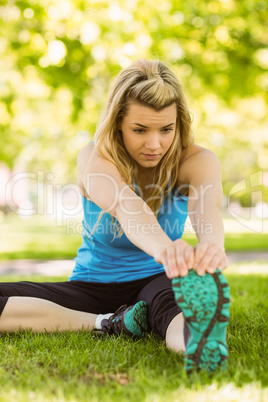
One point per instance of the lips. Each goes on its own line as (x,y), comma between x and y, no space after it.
(151,156)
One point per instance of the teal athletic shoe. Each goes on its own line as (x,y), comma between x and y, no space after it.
(133,321)
(204,301)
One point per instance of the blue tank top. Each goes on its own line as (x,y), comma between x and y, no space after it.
(108,259)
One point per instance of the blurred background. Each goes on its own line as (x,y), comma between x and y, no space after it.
(57,61)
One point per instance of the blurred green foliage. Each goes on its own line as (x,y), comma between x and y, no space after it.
(58,59)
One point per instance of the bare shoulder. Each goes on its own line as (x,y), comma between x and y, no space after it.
(198,164)
(82,160)
(191,151)
(92,165)
(84,154)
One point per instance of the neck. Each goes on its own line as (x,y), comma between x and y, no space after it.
(144,172)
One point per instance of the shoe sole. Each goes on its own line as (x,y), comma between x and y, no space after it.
(204,301)
(136,320)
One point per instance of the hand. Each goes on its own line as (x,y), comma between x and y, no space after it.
(208,257)
(177,258)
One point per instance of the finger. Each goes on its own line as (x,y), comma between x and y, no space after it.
(200,251)
(182,266)
(168,269)
(214,264)
(189,256)
(164,263)
(211,252)
(223,264)
(169,272)
(172,262)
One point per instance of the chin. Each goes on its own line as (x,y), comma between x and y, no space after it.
(149,164)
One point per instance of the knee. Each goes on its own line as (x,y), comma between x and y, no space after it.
(162,310)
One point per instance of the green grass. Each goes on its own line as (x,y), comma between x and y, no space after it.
(39,239)
(78,367)
(239,241)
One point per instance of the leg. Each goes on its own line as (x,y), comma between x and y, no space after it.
(47,306)
(64,306)
(175,334)
(165,316)
(39,315)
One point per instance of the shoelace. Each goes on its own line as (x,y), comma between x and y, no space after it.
(114,323)
(112,327)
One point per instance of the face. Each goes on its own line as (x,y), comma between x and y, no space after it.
(148,134)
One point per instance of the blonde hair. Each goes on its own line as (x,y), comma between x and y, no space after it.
(149,83)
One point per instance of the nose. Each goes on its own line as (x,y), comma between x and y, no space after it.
(152,143)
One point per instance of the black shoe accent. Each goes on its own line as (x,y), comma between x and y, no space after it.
(132,320)
(115,324)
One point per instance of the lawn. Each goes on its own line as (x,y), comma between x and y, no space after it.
(78,367)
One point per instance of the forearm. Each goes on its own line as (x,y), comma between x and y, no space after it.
(141,226)
(207,222)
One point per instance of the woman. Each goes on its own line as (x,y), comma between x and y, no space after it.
(139,179)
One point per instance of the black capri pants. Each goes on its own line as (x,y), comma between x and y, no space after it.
(101,298)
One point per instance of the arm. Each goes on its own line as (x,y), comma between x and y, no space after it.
(204,206)
(205,198)
(101,180)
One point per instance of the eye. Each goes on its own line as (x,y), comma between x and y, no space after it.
(165,130)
